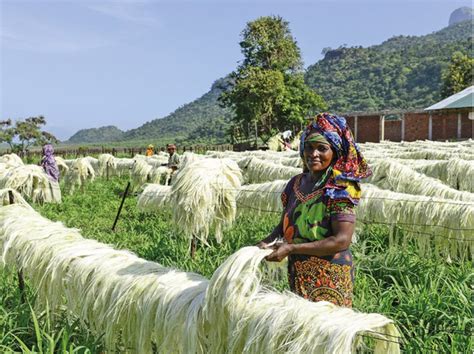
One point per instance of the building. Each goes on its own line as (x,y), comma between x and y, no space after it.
(449,119)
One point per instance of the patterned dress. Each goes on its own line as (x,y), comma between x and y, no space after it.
(307,218)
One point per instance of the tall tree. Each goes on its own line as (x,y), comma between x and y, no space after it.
(268,93)
(459,74)
(25,133)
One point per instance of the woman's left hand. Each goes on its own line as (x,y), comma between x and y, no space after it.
(280,252)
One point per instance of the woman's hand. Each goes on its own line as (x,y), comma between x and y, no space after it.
(263,244)
(267,242)
(280,252)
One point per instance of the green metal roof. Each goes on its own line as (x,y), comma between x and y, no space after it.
(462,99)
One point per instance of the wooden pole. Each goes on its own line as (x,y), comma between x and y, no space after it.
(121,205)
(21,281)
(193,247)
(107,171)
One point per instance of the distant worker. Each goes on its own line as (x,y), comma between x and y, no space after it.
(49,163)
(173,161)
(149,150)
(286,135)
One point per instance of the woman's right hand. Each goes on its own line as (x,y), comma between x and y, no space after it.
(262,244)
(267,242)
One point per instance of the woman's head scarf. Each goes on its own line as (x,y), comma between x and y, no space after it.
(349,166)
(49,163)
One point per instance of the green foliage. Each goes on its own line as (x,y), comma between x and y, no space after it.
(429,299)
(184,124)
(25,133)
(403,72)
(267,43)
(103,134)
(459,74)
(268,93)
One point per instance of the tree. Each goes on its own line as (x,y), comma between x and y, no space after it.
(459,74)
(267,43)
(267,92)
(25,133)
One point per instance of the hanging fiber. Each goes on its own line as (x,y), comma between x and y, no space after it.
(261,197)
(79,174)
(11,160)
(256,170)
(106,161)
(203,196)
(149,306)
(154,197)
(62,166)
(160,175)
(140,173)
(31,182)
(397,177)
(437,225)
(17,198)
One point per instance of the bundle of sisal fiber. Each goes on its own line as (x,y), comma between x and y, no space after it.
(450,222)
(262,197)
(258,171)
(31,182)
(388,174)
(80,172)
(62,166)
(11,160)
(150,306)
(203,195)
(154,197)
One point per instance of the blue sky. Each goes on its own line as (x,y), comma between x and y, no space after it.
(86,64)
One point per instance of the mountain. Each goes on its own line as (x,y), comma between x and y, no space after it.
(460,15)
(401,73)
(202,120)
(94,135)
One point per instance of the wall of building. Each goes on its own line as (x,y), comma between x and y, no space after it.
(368,128)
(415,126)
(393,130)
(467,126)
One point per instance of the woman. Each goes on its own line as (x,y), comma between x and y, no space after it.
(318,218)
(49,163)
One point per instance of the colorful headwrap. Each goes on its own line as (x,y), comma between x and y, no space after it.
(350,166)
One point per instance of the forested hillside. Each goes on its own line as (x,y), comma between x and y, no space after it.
(201,120)
(402,72)
(92,135)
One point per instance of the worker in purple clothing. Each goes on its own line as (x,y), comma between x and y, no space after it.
(49,163)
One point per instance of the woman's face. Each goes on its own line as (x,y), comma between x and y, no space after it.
(317,156)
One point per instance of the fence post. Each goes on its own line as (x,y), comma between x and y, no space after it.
(121,205)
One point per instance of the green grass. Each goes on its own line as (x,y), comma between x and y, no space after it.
(429,299)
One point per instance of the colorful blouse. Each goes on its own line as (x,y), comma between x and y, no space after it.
(307,218)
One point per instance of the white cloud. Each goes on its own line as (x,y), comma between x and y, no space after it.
(127,11)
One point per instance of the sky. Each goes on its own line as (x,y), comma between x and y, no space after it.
(85,64)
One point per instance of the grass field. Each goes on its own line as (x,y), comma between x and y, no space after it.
(429,299)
